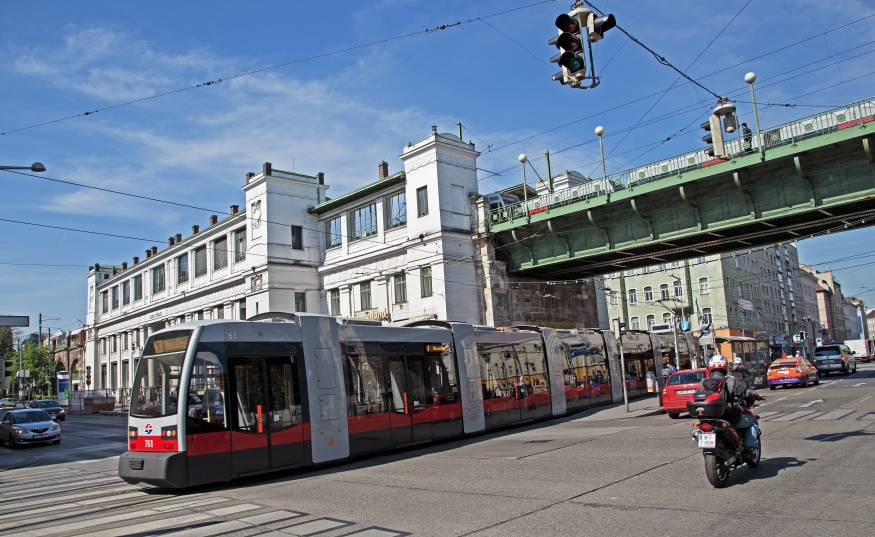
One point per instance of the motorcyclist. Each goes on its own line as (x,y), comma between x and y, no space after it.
(740,371)
(736,392)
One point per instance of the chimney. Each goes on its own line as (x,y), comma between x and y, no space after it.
(148,254)
(434,129)
(124,265)
(267,169)
(383,168)
(136,260)
(235,209)
(154,250)
(97,267)
(195,229)
(214,220)
(178,238)
(321,177)
(170,241)
(249,176)
(114,271)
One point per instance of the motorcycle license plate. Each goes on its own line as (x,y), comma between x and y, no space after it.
(707,440)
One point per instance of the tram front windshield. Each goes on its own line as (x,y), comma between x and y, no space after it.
(156,384)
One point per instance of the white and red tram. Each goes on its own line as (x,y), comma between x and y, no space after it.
(216,400)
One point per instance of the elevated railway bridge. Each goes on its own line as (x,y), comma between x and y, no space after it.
(792,181)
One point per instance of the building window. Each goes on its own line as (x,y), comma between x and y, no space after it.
(220,253)
(103,346)
(365,295)
(661,266)
(634,324)
(136,338)
(104,302)
(115,297)
(704,286)
(425,282)
(422,201)
(630,272)
(182,269)
(675,264)
(651,320)
(332,233)
(200,261)
(613,298)
(706,316)
(158,279)
(740,289)
(125,341)
(113,344)
(297,238)
(396,210)
(138,287)
(645,270)
(663,291)
(242,310)
(334,301)
(126,292)
(240,245)
(700,260)
(400,288)
(648,294)
(678,289)
(200,315)
(301,302)
(220,312)
(666,318)
(633,296)
(363,221)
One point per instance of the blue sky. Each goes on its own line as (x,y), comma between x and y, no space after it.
(344,113)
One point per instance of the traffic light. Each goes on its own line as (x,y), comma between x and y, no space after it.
(573,43)
(801,337)
(87,375)
(7,368)
(618,328)
(714,137)
(726,110)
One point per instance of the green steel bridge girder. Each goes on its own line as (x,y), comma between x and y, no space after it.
(797,190)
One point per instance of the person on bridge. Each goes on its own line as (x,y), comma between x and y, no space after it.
(748,137)
(736,392)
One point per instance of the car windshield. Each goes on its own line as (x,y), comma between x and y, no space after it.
(827,351)
(47,404)
(31,416)
(782,365)
(686,378)
(156,382)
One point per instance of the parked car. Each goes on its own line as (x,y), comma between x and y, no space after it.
(28,426)
(834,358)
(8,402)
(678,389)
(792,370)
(52,408)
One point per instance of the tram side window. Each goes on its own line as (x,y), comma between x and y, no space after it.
(156,386)
(366,385)
(285,394)
(206,395)
(493,374)
(442,377)
(248,387)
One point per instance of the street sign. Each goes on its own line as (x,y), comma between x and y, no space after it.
(23,373)
(14,320)
(706,340)
(819,342)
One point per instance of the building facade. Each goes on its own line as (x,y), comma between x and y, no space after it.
(829,305)
(856,326)
(809,284)
(410,245)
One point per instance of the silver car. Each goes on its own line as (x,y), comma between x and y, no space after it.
(834,358)
(28,426)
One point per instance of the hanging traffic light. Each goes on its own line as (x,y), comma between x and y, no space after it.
(596,27)
(726,110)
(573,43)
(714,137)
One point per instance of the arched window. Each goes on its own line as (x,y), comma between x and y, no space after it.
(704,286)
(634,324)
(633,296)
(663,291)
(648,294)
(706,316)
(678,289)
(666,318)
(651,320)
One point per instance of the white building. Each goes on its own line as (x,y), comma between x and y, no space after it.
(408,246)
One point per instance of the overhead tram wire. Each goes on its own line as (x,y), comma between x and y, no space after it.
(701,77)
(277,66)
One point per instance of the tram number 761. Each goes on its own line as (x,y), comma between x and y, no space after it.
(148,443)
(230,335)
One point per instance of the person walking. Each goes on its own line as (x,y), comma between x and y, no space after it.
(748,137)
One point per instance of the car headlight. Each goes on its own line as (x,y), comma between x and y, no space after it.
(20,431)
(56,427)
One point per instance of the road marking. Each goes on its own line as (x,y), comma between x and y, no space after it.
(810,403)
(764,415)
(865,399)
(230,510)
(375,532)
(85,504)
(212,529)
(781,399)
(858,384)
(835,414)
(868,417)
(148,526)
(315,526)
(794,415)
(267,518)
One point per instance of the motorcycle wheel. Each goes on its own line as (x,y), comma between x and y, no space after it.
(716,471)
(757,453)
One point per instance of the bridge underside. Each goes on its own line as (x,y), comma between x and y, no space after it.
(811,187)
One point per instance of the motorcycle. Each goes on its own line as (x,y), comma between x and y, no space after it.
(721,443)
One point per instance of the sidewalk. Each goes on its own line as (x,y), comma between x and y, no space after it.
(638,408)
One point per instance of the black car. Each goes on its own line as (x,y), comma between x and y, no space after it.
(52,408)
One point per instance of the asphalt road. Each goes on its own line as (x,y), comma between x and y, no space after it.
(599,473)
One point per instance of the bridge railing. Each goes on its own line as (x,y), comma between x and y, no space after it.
(788,133)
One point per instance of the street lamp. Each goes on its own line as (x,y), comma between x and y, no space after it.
(523,159)
(35,167)
(750,78)
(599,131)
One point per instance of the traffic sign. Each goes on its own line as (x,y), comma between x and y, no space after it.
(706,340)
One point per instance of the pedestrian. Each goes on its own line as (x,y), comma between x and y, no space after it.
(748,137)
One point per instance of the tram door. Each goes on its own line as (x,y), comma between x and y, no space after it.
(266,417)
(410,405)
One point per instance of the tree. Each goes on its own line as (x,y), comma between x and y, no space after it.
(7,348)
(38,360)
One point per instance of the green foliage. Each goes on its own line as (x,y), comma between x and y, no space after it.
(42,367)
(7,349)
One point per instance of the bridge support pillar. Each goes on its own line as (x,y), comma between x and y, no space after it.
(797,161)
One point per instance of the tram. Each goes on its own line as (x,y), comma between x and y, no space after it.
(216,400)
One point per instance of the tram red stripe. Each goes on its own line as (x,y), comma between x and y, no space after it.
(248,440)
(208,443)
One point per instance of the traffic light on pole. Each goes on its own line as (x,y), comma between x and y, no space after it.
(801,337)
(714,137)
(87,375)
(7,368)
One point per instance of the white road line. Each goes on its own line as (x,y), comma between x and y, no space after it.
(314,526)
(835,414)
(810,403)
(858,384)
(764,415)
(373,532)
(865,399)
(267,518)
(59,500)
(794,415)
(230,510)
(212,529)
(868,417)
(148,526)
(56,501)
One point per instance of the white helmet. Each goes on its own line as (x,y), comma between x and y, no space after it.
(718,362)
(736,361)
